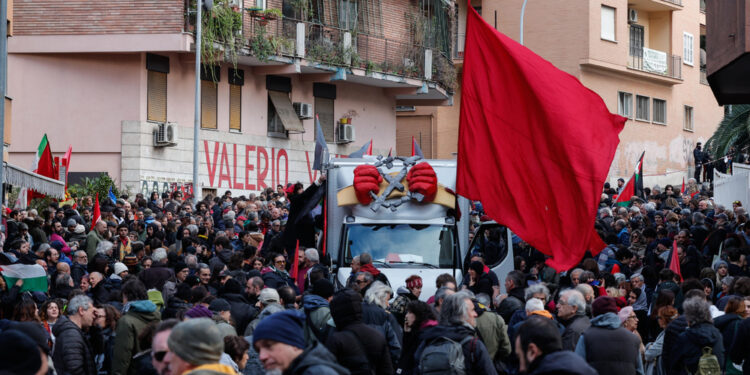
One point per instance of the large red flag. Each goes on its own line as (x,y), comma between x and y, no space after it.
(535,145)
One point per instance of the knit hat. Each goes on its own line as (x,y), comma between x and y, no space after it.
(413,281)
(322,288)
(219,305)
(79,229)
(71,223)
(197,341)
(284,327)
(718,264)
(199,311)
(18,353)
(268,296)
(35,332)
(120,268)
(603,305)
(179,266)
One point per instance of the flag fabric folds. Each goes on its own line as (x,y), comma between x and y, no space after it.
(97,215)
(321,148)
(682,190)
(634,186)
(639,177)
(535,145)
(34,277)
(366,149)
(674,260)
(112,196)
(44,165)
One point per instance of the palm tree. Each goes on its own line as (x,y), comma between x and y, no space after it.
(733,131)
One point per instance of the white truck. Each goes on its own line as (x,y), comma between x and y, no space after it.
(405,233)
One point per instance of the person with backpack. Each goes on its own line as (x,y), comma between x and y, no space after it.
(356,346)
(452,347)
(318,312)
(701,350)
(540,351)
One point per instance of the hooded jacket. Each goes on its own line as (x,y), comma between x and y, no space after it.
(318,313)
(691,344)
(375,317)
(621,355)
(356,346)
(316,360)
(494,334)
(130,325)
(73,354)
(561,363)
(477,359)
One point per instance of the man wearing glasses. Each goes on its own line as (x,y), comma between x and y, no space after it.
(159,346)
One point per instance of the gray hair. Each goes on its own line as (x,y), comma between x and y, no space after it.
(191,261)
(650,206)
(484,299)
(79,302)
(575,298)
(636,276)
(696,310)
(635,210)
(536,288)
(103,247)
(605,212)
(378,294)
(193,229)
(441,294)
(79,253)
(159,254)
(365,258)
(699,218)
(203,266)
(312,255)
(367,275)
(454,310)
(585,289)
(579,271)
(516,277)
(62,279)
(534,304)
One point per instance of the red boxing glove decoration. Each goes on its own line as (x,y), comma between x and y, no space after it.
(366,179)
(422,179)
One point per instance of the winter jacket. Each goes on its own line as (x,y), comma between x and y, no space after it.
(726,325)
(174,306)
(691,344)
(277,279)
(375,317)
(268,310)
(482,285)
(476,358)
(560,363)
(357,346)
(92,240)
(398,307)
(73,354)
(494,334)
(621,355)
(671,344)
(510,304)
(412,340)
(318,314)
(573,330)
(130,325)
(653,356)
(315,360)
(222,258)
(156,276)
(241,310)
(740,349)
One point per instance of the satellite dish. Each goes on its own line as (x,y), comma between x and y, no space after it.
(208,5)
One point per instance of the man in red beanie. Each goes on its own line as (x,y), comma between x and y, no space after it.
(606,345)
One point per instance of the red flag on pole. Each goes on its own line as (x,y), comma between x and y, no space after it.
(97,212)
(535,145)
(628,191)
(295,263)
(674,260)
(682,190)
(369,148)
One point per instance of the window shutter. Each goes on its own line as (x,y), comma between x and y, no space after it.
(208,104)
(608,23)
(156,101)
(235,107)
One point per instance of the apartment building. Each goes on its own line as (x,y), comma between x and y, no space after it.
(643,57)
(115,79)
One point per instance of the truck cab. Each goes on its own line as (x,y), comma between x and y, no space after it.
(404,236)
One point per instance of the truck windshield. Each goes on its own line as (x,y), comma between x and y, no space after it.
(401,245)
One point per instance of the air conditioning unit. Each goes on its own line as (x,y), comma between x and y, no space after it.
(345,133)
(165,134)
(304,110)
(632,15)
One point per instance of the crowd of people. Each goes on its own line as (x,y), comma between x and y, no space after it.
(162,286)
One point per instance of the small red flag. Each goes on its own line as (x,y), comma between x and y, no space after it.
(674,261)
(97,212)
(682,190)
(369,148)
(535,145)
(295,262)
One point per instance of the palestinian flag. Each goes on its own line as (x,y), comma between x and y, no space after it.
(638,176)
(34,277)
(44,165)
(634,185)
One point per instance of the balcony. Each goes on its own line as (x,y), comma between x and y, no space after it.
(655,62)
(655,5)
(704,76)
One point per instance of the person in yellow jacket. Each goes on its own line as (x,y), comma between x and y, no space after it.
(195,347)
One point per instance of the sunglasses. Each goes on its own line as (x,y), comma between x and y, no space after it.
(159,356)
(280,262)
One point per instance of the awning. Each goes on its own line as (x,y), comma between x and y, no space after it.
(18,176)
(286,112)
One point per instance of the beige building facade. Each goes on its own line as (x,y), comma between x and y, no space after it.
(643,57)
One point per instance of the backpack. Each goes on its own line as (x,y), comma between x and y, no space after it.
(708,364)
(444,356)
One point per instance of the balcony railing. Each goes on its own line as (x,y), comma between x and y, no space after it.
(675,2)
(656,62)
(704,76)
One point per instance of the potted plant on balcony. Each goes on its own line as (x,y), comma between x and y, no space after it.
(222,34)
(272,14)
(255,12)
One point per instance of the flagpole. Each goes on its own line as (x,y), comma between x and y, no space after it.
(523,11)
(197,192)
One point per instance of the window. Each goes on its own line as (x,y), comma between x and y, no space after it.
(608,23)
(275,126)
(347,14)
(210,76)
(688,120)
(156,87)
(687,48)
(282,118)
(236,79)
(625,104)
(636,40)
(642,109)
(325,94)
(660,111)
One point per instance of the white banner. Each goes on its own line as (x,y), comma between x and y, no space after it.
(654,61)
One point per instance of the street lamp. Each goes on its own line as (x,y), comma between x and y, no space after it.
(197,192)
